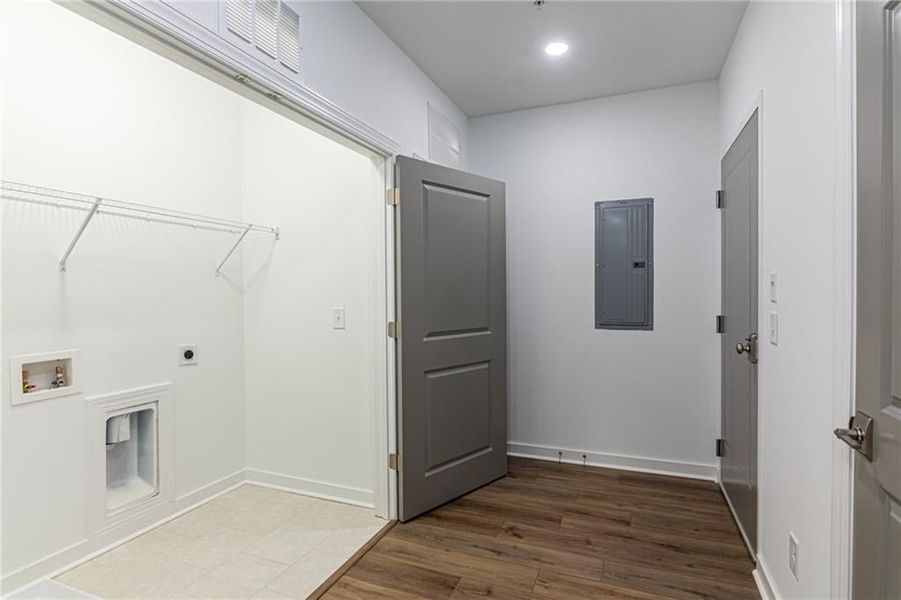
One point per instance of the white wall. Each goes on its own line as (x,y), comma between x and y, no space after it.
(787,50)
(112,119)
(165,136)
(652,395)
(311,389)
(107,139)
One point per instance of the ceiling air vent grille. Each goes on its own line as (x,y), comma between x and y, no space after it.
(239,14)
(269,25)
(289,38)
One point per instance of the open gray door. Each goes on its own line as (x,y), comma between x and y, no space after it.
(738,450)
(452,349)
(875,431)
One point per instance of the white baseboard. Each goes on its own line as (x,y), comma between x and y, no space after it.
(311,487)
(763,581)
(614,461)
(89,548)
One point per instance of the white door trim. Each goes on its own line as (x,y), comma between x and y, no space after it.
(390,425)
(762,304)
(844,293)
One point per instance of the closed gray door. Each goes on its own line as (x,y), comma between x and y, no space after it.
(453,334)
(738,464)
(877,478)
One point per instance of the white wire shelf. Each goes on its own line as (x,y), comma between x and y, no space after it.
(94,205)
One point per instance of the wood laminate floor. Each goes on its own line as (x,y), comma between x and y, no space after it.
(562,531)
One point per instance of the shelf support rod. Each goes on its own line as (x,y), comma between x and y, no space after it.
(232,251)
(81,228)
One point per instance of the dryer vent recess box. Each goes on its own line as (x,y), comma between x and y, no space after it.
(624,264)
(35,377)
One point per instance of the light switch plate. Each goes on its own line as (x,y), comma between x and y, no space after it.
(338,320)
(774,287)
(794,549)
(774,328)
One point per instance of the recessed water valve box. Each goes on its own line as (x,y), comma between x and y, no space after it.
(43,376)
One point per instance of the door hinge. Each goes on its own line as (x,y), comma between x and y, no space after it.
(720,447)
(720,198)
(392,196)
(392,461)
(721,323)
(393,329)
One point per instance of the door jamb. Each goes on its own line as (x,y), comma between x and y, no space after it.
(844,292)
(756,106)
(391,363)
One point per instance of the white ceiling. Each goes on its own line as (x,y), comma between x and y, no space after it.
(489,56)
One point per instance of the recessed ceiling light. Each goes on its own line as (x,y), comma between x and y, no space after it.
(557,48)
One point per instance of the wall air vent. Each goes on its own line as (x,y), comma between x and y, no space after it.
(271,26)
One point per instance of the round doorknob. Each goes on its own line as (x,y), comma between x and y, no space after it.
(742,348)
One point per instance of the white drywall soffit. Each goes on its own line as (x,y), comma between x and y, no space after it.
(786,53)
(574,387)
(351,74)
(489,57)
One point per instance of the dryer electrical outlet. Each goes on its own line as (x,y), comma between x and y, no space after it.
(187,354)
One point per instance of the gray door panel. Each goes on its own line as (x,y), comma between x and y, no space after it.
(877,483)
(738,465)
(452,324)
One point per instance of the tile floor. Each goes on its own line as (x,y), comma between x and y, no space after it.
(252,542)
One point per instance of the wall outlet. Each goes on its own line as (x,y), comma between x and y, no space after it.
(338,321)
(187,354)
(774,328)
(793,549)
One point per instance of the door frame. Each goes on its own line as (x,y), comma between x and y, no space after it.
(844,292)
(755,106)
(177,33)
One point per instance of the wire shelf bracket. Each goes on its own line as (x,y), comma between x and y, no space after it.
(78,232)
(93,206)
(232,251)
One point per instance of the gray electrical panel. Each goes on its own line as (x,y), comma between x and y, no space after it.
(624,264)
